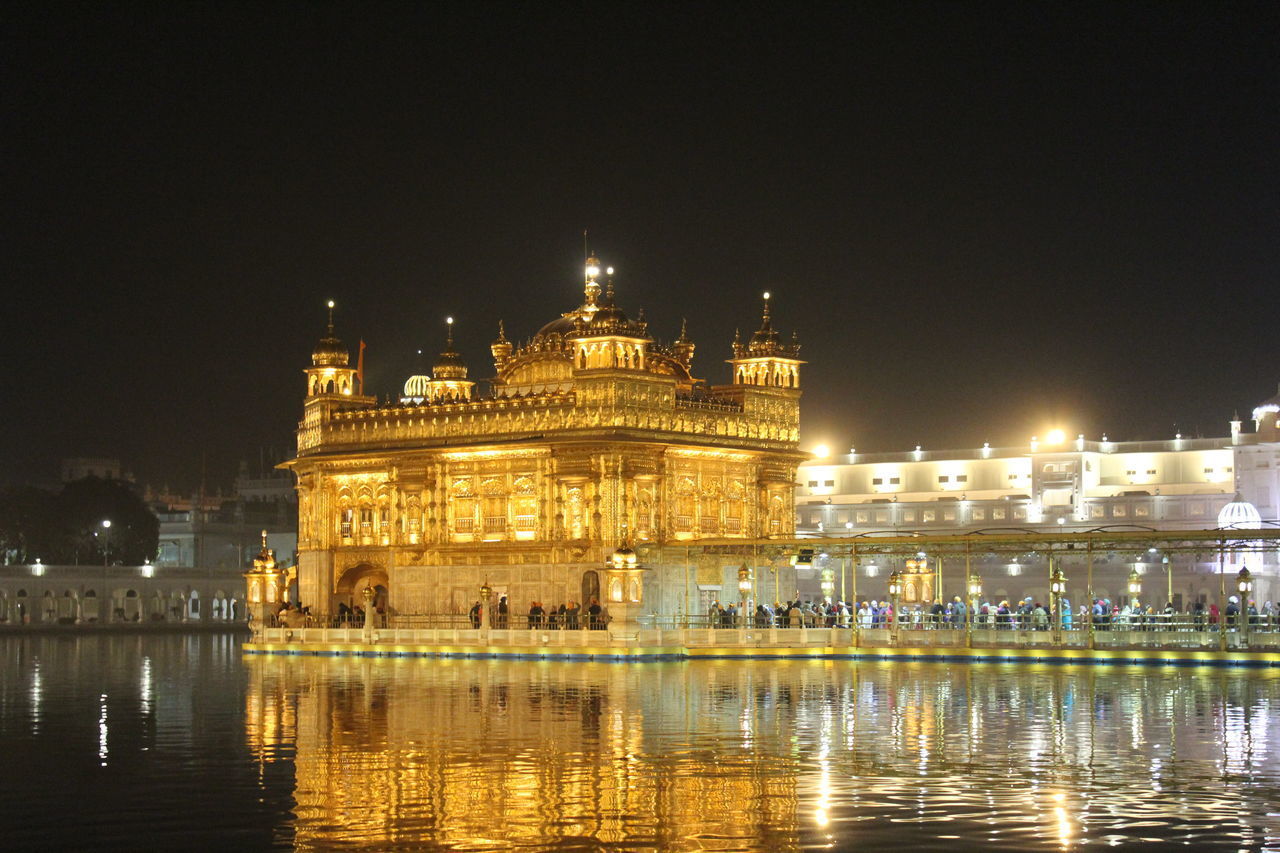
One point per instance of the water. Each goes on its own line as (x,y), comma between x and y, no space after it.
(168,741)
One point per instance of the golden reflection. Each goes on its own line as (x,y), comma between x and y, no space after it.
(757,754)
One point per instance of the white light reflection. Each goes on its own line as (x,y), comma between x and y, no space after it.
(821,816)
(102,730)
(1064,822)
(146,691)
(34,695)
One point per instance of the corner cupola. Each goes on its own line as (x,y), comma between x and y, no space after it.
(765,360)
(449,383)
(330,372)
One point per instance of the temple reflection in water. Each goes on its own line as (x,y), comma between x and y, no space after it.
(764,755)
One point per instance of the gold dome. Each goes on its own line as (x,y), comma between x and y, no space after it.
(449,364)
(330,352)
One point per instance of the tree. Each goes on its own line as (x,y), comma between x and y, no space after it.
(67,527)
(134,534)
(29,528)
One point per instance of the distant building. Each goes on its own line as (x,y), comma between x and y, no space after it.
(224,532)
(1076,484)
(1058,484)
(80,467)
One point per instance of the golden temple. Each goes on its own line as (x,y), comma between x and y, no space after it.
(593,436)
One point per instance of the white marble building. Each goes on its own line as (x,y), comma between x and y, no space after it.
(1054,483)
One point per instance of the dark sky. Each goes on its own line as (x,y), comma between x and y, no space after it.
(982,219)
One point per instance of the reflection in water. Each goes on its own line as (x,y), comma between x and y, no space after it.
(178,742)
(765,755)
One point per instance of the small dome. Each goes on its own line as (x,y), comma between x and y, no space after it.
(764,337)
(448,365)
(623,558)
(330,352)
(417,386)
(1239,515)
(610,313)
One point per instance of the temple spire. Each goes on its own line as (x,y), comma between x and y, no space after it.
(591,290)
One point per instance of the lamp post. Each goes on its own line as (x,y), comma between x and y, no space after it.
(1057,586)
(106,542)
(744,590)
(368,595)
(895,589)
(975,593)
(1134,591)
(1244,582)
(486,592)
(828,585)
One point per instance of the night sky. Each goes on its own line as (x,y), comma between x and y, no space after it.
(983,220)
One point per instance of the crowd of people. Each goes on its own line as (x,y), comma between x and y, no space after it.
(1026,614)
(569,616)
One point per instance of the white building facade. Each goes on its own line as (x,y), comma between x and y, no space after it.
(1046,486)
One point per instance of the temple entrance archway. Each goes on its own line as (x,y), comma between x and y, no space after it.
(590,587)
(353,581)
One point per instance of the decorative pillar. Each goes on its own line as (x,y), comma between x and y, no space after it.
(368,595)
(486,593)
(623,590)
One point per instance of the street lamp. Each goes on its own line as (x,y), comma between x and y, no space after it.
(975,593)
(106,541)
(1135,587)
(1168,573)
(744,589)
(895,589)
(485,592)
(1057,586)
(1244,582)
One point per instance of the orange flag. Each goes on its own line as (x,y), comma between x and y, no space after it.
(360,366)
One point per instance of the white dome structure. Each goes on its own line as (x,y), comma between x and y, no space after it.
(418,387)
(1239,515)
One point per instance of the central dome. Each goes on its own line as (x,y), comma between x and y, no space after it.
(562,326)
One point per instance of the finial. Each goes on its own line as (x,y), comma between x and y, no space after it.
(502,334)
(330,316)
(737,336)
(449,323)
(608,291)
(264,534)
(766,308)
(640,314)
(684,321)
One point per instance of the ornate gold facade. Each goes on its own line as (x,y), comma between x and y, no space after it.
(592,434)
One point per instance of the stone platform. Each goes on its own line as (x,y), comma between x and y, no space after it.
(1109,648)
